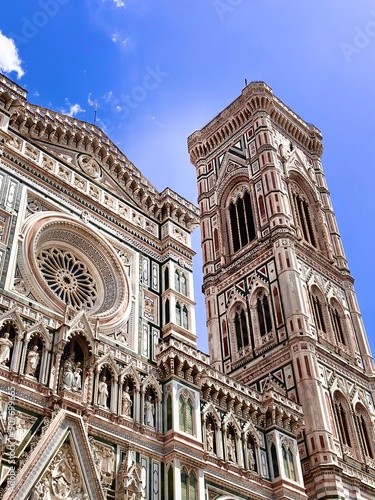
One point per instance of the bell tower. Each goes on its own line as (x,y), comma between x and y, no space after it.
(280,301)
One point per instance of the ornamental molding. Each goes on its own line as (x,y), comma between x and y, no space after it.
(255,98)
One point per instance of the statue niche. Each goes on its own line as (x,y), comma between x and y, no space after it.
(7,341)
(33,358)
(73,366)
(127,399)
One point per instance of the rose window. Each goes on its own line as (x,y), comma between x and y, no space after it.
(64,261)
(68,277)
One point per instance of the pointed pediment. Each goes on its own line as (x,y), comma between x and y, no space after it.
(272,384)
(231,165)
(13,316)
(209,409)
(107,360)
(61,465)
(152,382)
(39,329)
(131,372)
(250,428)
(230,419)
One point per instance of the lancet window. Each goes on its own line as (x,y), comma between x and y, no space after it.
(241,221)
(337,324)
(317,307)
(264,315)
(188,485)
(342,417)
(365,432)
(186,413)
(302,210)
(241,328)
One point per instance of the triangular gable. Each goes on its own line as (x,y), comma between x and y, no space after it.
(77,160)
(65,435)
(230,419)
(39,329)
(107,360)
(13,316)
(152,382)
(131,372)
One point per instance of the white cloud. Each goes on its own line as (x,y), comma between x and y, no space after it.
(90,101)
(116,3)
(9,58)
(73,109)
(115,37)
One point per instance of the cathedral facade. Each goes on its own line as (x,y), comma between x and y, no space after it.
(103,392)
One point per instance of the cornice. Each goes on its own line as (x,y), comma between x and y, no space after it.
(255,97)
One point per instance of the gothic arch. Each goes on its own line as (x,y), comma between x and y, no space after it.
(239,325)
(344,421)
(237,214)
(365,430)
(261,313)
(319,311)
(131,373)
(306,213)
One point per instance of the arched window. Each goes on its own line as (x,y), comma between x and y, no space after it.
(170,484)
(166,309)
(225,338)
(183,285)
(241,219)
(264,316)
(337,326)
(188,485)
(275,465)
(178,314)
(341,413)
(166,278)
(186,407)
(364,426)
(303,218)
(288,461)
(241,329)
(317,311)
(185,318)
(177,281)
(169,412)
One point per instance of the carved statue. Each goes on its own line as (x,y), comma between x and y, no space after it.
(32,361)
(250,457)
(68,372)
(77,377)
(5,347)
(210,438)
(62,482)
(103,393)
(149,412)
(231,448)
(126,403)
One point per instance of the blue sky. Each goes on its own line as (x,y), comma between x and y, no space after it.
(158,70)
